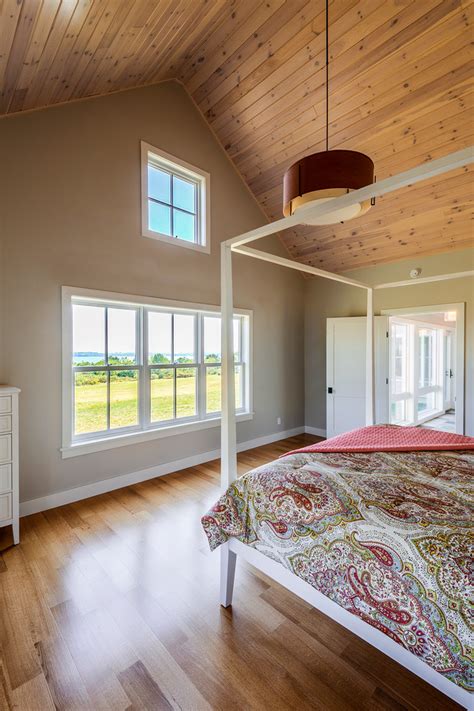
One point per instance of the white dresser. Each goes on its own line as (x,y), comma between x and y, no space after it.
(9,455)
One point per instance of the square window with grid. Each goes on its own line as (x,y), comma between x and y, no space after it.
(175,200)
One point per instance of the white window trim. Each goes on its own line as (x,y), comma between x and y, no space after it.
(179,167)
(71,446)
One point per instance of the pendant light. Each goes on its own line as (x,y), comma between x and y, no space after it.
(326,175)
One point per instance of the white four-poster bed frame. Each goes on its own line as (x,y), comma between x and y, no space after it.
(233,547)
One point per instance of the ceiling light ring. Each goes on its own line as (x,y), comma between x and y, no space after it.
(323,176)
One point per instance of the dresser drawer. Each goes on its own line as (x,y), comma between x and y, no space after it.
(5,478)
(5,403)
(5,507)
(5,423)
(5,448)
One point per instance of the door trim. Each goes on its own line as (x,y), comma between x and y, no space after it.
(460,309)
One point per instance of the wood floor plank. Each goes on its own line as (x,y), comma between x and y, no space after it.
(18,652)
(112,604)
(65,684)
(34,695)
(5,692)
(174,683)
(142,689)
(393,678)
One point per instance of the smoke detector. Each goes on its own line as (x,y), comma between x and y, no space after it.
(415,273)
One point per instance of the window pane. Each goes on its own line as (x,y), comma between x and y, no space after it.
(159,218)
(398,412)
(88,335)
(123,398)
(122,336)
(184,338)
(236,338)
(212,339)
(213,389)
(238,387)
(183,225)
(185,392)
(162,394)
(399,360)
(426,404)
(427,347)
(184,194)
(159,184)
(90,402)
(159,337)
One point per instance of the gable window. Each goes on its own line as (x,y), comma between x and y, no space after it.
(142,368)
(175,200)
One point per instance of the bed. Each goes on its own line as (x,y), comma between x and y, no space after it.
(375,528)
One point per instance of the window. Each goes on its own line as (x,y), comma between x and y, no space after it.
(427,355)
(429,391)
(175,200)
(400,374)
(146,367)
(416,372)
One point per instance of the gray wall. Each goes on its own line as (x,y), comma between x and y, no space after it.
(70,209)
(325,299)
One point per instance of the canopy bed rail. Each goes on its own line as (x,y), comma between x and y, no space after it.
(232,548)
(236,244)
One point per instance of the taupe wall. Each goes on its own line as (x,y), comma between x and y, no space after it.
(69,214)
(324,299)
(70,206)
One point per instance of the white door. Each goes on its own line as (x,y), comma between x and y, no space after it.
(345,373)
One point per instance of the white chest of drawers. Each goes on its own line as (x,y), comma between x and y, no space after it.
(9,456)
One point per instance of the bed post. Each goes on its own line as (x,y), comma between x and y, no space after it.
(228,430)
(370,362)
(228,433)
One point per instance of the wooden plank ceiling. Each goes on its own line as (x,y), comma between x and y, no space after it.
(400,90)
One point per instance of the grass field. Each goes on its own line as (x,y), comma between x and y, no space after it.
(91,407)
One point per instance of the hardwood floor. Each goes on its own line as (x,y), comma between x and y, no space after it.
(112,603)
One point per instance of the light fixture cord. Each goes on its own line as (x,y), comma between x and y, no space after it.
(327,75)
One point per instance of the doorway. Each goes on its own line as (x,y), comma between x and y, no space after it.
(426,367)
(419,369)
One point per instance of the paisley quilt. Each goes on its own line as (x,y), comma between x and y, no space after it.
(386,535)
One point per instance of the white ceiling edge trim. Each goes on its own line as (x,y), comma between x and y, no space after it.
(425,280)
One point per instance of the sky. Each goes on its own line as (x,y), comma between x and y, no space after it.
(182,194)
(89,331)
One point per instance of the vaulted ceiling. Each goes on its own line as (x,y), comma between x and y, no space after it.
(400,90)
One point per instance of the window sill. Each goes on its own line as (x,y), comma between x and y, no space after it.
(205,248)
(98,445)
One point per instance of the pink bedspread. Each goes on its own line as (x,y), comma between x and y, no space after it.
(390,438)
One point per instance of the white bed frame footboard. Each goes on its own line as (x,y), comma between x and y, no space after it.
(230,550)
(290,581)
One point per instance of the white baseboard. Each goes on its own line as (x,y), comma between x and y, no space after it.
(315,431)
(118,482)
